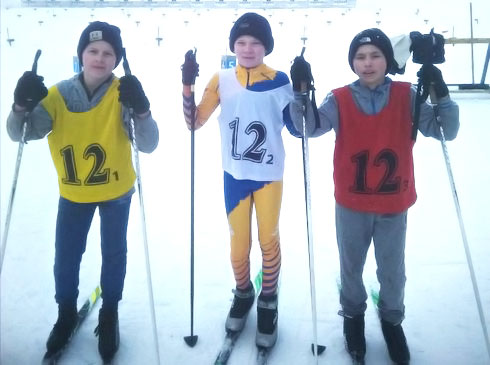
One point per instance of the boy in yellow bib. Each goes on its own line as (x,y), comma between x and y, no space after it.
(87,120)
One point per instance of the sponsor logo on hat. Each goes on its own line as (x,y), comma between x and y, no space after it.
(95,35)
(365,40)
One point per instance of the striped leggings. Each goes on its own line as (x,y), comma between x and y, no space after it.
(267,202)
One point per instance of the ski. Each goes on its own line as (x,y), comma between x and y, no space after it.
(83,312)
(227,347)
(355,360)
(375,298)
(263,355)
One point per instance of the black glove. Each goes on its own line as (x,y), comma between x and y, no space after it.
(30,90)
(190,68)
(131,94)
(431,76)
(301,73)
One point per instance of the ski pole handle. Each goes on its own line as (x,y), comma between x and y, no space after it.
(127,70)
(195,59)
(16,176)
(194,78)
(34,66)
(36,57)
(193,108)
(433,96)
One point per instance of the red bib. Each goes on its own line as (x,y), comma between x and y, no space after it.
(373,162)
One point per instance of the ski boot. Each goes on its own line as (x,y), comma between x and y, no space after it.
(242,302)
(267,316)
(396,342)
(108,333)
(355,342)
(62,330)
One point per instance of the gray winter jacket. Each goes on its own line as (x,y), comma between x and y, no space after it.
(39,122)
(372,102)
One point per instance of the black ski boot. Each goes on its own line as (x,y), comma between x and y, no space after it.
(108,333)
(396,342)
(267,316)
(62,330)
(355,342)
(242,302)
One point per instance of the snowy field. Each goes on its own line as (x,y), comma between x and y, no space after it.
(442,324)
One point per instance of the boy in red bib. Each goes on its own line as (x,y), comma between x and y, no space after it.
(374,177)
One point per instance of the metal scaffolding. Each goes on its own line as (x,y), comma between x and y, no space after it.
(193,4)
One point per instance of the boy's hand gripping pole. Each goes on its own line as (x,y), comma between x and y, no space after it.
(127,72)
(20,150)
(315,347)
(191,340)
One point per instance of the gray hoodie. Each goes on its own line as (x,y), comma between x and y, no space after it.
(39,122)
(372,102)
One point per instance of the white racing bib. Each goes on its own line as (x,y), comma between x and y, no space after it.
(250,124)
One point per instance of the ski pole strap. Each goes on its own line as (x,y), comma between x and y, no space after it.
(416,113)
(315,109)
(26,117)
(193,102)
(423,88)
(192,108)
(127,70)
(34,70)
(313,106)
(311,87)
(36,58)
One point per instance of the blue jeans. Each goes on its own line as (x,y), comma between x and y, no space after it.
(72,227)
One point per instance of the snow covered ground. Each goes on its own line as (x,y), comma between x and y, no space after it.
(442,322)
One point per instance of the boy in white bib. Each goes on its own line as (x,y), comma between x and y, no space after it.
(254,101)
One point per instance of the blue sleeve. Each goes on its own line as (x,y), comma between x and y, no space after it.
(288,122)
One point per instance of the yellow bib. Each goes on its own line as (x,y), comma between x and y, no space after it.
(90,150)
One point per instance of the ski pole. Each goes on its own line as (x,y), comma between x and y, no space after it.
(315,347)
(20,150)
(421,97)
(192,339)
(434,100)
(127,72)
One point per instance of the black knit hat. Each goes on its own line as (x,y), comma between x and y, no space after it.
(101,31)
(377,38)
(254,25)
